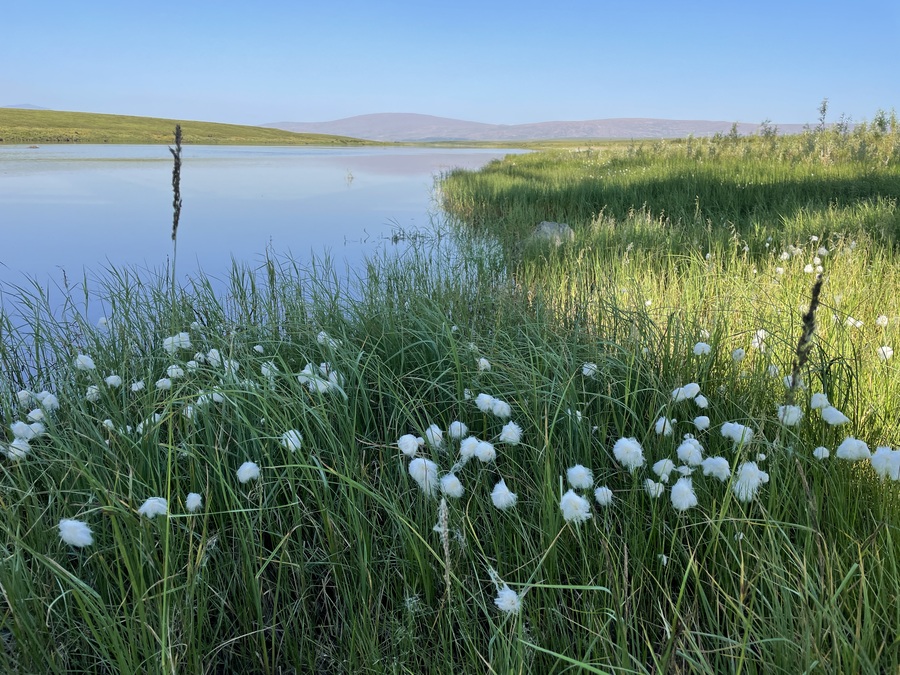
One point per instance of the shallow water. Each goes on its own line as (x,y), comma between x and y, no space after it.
(81,208)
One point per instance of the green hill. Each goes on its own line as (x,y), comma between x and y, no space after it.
(53,126)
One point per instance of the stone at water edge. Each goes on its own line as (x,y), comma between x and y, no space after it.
(555,233)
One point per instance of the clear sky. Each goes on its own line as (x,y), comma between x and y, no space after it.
(487,61)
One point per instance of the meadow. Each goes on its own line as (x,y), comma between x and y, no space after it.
(629,453)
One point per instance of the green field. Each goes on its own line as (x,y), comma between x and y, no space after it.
(751,529)
(19,126)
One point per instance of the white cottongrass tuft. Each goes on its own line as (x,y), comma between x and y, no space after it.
(291,440)
(701,401)
(425,473)
(833,416)
(468,447)
(683,495)
(259,349)
(654,489)
(485,402)
(193,502)
(664,426)
(603,495)
(663,468)
(818,401)
(113,381)
(629,453)
(484,364)
(884,353)
(717,467)
(852,449)
(758,341)
(24,397)
(164,383)
(22,430)
(268,369)
(580,477)
(821,452)
(408,445)
(176,342)
(485,452)
(18,449)
(213,357)
(690,451)
(748,479)
(434,436)
(853,323)
(589,369)
(508,600)
(738,354)
(886,463)
(175,372)
(137,386)
(36,415)
(737,433)
(323,338)
(688,391)
(75,533)
(789,415)
(451,486)
(511,433)
(248,471)
(154,506)
(773,370)
(574,507)
(502,497)
(501,409)
(702,349)
(701,422)
(882,321)
(457,430)
(84,362)
(92,395)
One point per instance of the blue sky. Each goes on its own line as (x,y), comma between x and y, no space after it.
(497,62)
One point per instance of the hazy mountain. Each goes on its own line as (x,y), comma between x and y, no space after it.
(414,127)
(24,106)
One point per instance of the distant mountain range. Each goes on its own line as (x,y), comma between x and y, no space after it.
(414,127)
(24,106)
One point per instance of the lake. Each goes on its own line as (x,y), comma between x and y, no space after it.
(81,208)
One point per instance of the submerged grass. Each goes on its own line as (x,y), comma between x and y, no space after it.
(330,562)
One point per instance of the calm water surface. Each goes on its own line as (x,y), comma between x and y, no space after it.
(81,208)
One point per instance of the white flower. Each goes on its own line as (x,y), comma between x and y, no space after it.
(75,533)
(580,477)
(93,394)
(468,447)
(663,559)
(174,372)
(690,451)
(84,362)
(434,436)
(408,445)
(113,381)
(603,495)
(188,411)
(701,401)
(291,440)
(664,426)
(191,366)
(164,383)
(690,390)
(818,401)
(24,396)
(484,364)
(425,473)
(702,349)
(663,468)
(853,449)
(738,354)
(821,453)
(629,453)
(881,321)
(485,451)
(576,414)
(748,480)
(22,430)
(701,422)
(758,341)
(654,489)
(779,271)
(737,433)
(451,486)
(808,269)
(48,401)
(773,371)
(833,416)
(18,449)
(502,497)
(575,508)
(511,433)
(884,353)
(259,349)
(137,386)
(485,402)
(154,506)
(508,600)
(231,366)
(789,382)
(102,322)
(853,323)
(683,495)
(886,462)
(789,415)
(36,415)
(248,471)
(268,369)
(501,409)
(193,502)
(717,467)
(213,357)
(589,369)
(458,430)
(467,394)
(176,342)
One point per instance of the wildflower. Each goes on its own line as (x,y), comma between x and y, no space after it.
(853,449)
(663,559)
(576,414)
(511,433)
(213,357)
(164,383)
(663,468)
(485,452)
(884,353)
(231,366)
(702,349)
(701,422)
(22,430)
(154,506)
(629,453)
(484,364)
(881,321)
(603,495)
(324,338)
(48,401)
(188,411)
(425,473)
(113,381)
(485,402)
(137,386)
(808,269)
(589,369)
(575,508)
(779,271)
(248,471)
(175,372)
(758,341)
(451,486)
(821,453)
(789,415)
(408,445)
(259,349)
(684,470)
(17,449)
(580,477)
(24,396)
(468,447)
(84,362)
(690,390)
(701,401)
(773,371)
(737,433)
(508,600)
(434,436)
(738,354)
(268,369)
(458,430)
(92,395)
(818,401)
(291,440)
(690,451)
(853,323)
(664,426)
(748,480)
(176,342)
(654,489)
(102,322)
(191,366)
(717,467)
(683,495)
(467,394)
(833,416)
(502,497)
(886,463)
(193,502)
(790,384)
(501,409)
(75,533)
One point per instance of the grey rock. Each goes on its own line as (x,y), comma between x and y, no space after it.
(555,233)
